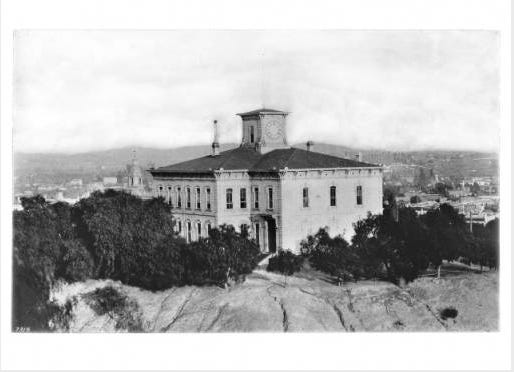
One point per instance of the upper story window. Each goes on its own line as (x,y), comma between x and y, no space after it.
(256,197)
(242,197)
(305,194)
(270,197)
(230,205)
(198,199)
(359,195)
(332,196)
(208,197)
(252,134)
(179,197)
(188,198)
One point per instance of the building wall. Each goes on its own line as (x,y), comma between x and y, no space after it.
(184,215)
(297,221)
(293,221)
(238,216)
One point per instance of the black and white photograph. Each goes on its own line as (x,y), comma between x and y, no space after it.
(256,181)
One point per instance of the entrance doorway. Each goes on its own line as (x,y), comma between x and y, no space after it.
(272,235)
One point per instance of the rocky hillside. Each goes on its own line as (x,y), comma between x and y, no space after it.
(266,302)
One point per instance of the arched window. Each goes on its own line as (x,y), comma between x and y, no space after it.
(305,197)
(270,197)
(230,205)
(179,197)
(359,195)
(332,196)
(242,198)
(208,198)
(188,232)
(170,196)
(197,198)
(188,198)
(256,197)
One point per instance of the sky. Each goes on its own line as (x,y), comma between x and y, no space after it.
(79,91)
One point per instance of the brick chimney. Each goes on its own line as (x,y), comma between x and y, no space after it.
(310,145)
(215,143)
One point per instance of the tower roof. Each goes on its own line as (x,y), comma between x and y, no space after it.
(263,111)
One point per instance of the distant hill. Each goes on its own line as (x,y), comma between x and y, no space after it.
(92,165)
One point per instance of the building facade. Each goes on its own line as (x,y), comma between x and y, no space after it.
(279,193)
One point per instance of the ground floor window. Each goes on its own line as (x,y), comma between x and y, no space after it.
(188,228)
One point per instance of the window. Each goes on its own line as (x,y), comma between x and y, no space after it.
(179,227)
(159,193)
(229,199)
(244,229)
(198,201)
(332,196)
(179,197)
(188,198)
(188,227)
(199,229)
(257,232)
(242,198)
(208,197)
(208,228)
(359,195)
(170,196)
(256,198)
(305,197)
(252,134)
(270,197)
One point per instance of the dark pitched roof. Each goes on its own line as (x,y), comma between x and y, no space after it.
(295,158)
(248,158)
(238,158)
(262,111)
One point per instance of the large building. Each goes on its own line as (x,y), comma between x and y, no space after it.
(280,193)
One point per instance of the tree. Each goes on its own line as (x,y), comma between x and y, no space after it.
(449,237)
(40,233)
(286,263)
(333,256)
(225,255)
(396,248)
(415,199)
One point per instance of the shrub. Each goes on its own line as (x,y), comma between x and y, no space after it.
(285,262)
(225,255)
(117,306)
(448,313)
(333,256)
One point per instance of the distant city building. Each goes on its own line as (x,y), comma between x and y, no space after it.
(76,182)
(279,193)
(110,181)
